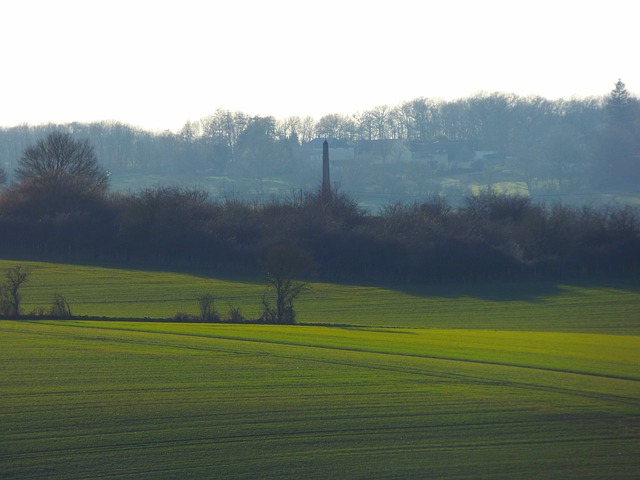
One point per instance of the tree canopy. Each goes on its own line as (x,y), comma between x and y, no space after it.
(59,162)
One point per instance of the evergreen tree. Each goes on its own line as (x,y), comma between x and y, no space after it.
(620,106)
(617,147)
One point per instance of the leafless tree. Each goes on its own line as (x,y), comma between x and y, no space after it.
(207,308)
(283,268)
(335,126)
(380,117)
(59,162)
(59,307)
(288,127)
(307,129)
(10,296)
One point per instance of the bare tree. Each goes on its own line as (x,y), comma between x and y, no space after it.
(335,126)
(10,296)
(284,265)
(59,307)
(364,125)
(3,177)
(234,315)
(307,129)
(419,117)
(288,127)
(380,117)
(59,162)
(207,308)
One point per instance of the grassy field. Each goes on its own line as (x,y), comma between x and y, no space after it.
(123,400)
(529,380)
(611,307)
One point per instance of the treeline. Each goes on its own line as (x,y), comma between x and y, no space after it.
(489,236)
(589,143)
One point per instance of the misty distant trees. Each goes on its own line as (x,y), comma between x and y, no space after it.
(620,107)
(572,146)
(617,145)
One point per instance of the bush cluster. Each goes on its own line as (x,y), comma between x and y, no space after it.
(489,236)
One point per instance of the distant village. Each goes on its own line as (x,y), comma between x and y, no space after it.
(439,156)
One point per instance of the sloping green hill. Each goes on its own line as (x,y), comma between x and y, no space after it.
(501,381)
(612,307)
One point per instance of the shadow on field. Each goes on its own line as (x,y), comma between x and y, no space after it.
(492,290)
(517,290)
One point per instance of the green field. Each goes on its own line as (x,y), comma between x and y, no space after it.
(495,381)
(611,307)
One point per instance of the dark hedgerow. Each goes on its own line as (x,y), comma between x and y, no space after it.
(489,236)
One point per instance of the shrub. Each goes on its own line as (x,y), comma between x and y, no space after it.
(185,317)
(207,309)
(234,315)
(59,307)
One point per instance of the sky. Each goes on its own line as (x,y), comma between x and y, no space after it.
(156,64)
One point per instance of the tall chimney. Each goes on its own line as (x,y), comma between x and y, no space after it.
(326,182)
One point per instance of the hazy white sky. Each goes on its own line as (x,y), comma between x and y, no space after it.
(159,63)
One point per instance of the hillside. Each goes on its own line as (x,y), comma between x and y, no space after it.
(606,307)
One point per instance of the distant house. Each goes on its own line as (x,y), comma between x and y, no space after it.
(443,155)
(384,151)
(487,158)
(340,151)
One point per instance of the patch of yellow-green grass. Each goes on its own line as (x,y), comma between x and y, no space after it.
(141,400)
(587,354)
(502,188)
